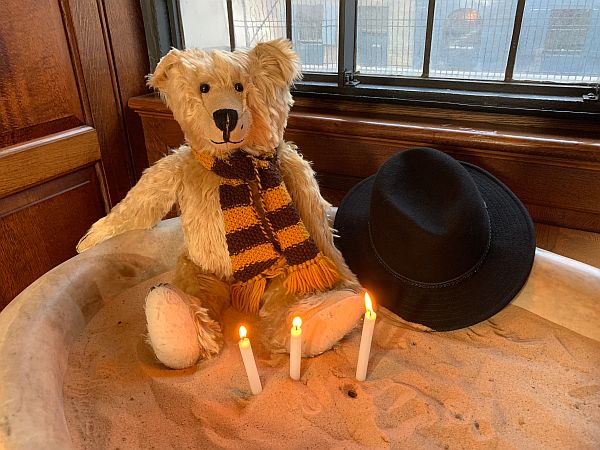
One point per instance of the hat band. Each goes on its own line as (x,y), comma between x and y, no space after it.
(443,284)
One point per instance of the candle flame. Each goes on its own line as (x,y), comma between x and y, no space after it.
(243,332)
(368,302)
(297,322)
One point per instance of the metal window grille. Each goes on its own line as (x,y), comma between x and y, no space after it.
(471,40)
(465,39)
(560,42)
(256,21)
(315,34)
(529,54)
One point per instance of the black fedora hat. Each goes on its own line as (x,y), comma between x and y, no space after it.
(438,242)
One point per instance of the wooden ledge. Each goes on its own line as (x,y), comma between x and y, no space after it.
(474,132)
(572,151)
(552,165)
(149,105)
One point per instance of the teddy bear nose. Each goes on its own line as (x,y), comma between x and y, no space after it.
(225,119)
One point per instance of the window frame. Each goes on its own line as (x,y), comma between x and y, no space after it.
(498,96)
(508,95)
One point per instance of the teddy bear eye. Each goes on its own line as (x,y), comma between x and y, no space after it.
(204,88)
(238,87)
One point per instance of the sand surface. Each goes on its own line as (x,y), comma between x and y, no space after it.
(515,381)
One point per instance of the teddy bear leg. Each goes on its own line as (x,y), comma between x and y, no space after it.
(326,318)
(183,317)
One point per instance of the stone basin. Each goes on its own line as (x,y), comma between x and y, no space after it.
(38,328)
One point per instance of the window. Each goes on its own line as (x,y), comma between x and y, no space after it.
(471,42)
(541,55)
(257,21)
(560,42)
(315,33)
(567,30)
(373,52)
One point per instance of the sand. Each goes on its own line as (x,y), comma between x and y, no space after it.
(515,381)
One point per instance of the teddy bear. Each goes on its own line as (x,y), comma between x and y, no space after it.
(256,231)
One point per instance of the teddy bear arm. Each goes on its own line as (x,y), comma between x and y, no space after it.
(143,206)
(300,181)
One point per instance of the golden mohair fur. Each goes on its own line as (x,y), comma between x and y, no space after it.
(266,73)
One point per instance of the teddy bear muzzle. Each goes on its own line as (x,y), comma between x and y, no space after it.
(232,127)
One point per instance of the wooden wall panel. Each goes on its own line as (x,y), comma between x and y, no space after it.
(35,161)
(41,226)
(344,154)
(462,119)
(68,68)
(39,94)
(161,136)
(161,132)
(87,21)
(131,65)
(555,172)
(554,189)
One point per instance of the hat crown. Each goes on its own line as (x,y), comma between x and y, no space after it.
(428,221)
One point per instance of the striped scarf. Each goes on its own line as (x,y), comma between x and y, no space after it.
(261,249)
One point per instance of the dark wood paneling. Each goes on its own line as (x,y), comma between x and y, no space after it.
(68,69)
(39,94)
(556,176)
(161,135)
(490,141)
(552,164)
(131,65)
(87,19)
(68,63)
(25,165)
(161,131)
(40,227)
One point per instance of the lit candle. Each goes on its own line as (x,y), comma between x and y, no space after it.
(295,348)
(249,363)
(365,340)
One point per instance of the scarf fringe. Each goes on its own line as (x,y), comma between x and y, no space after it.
(318,274)
(245,297)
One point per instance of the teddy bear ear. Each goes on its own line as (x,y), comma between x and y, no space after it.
(274,61)
(158,79)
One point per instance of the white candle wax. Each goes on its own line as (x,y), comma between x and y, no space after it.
(365,341)
(249,362)
(295,348)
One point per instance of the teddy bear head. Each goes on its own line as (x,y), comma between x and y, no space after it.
(227,100)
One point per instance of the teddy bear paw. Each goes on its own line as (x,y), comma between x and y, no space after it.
(326,319)
(97,233)
(180,331)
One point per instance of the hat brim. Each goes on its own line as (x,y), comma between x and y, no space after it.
(502,274)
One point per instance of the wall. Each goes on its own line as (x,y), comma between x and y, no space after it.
(69,146)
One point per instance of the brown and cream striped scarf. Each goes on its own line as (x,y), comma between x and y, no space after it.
(261,249)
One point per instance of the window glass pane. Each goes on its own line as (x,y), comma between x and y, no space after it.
(560,41)
(258,20)
(471,38)
(390,36)
(314,28)
(205,24)
(315,34)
